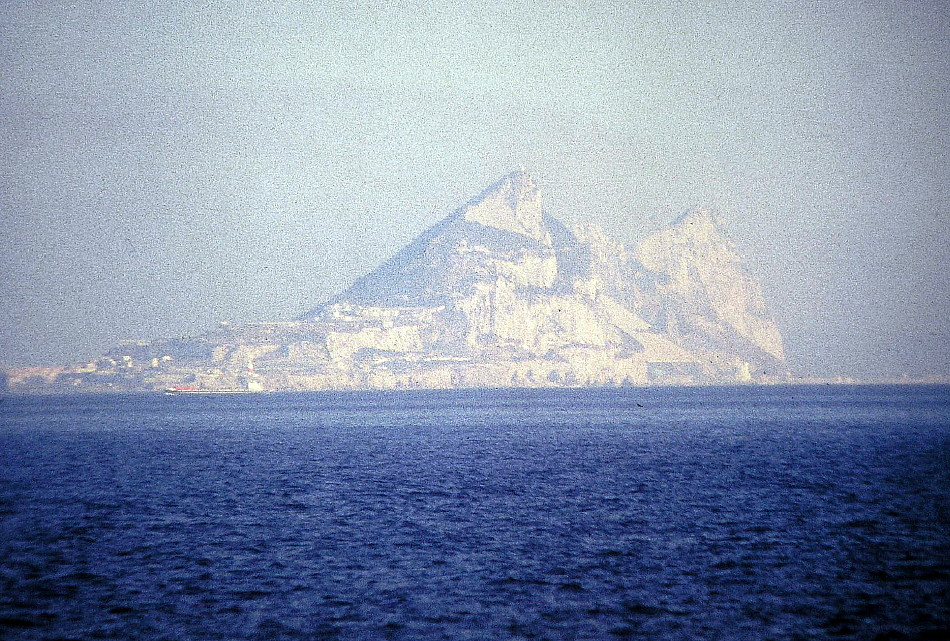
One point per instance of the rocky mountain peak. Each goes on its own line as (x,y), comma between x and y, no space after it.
(496,295)
(696,236)
(512,204)
(712,290)
(700,225)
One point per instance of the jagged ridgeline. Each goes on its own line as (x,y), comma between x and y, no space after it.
(498,294)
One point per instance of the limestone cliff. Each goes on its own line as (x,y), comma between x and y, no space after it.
(503,282)
(497,294)
(709,300)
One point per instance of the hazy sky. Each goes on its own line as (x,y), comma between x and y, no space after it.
(164,166)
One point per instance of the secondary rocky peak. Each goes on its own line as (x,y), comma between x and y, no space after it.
(699,224)
(512,204)
(695,236)
(708,285)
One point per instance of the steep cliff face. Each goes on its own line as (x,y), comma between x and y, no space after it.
(499,274)
(707,297)
(514,205)
(500,234)
(497,294)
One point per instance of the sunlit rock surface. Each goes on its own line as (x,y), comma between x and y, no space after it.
(497,294)
(709,299)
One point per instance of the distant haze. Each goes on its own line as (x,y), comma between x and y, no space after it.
(166,166)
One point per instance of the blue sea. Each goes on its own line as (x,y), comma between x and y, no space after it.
(813,512)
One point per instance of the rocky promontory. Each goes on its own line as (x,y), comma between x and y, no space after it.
(497,294)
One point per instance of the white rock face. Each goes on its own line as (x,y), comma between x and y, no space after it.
(513,204)
(503,286)
(500,294)
(343,345)
(708,286)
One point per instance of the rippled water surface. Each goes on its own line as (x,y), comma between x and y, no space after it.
(734,513)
